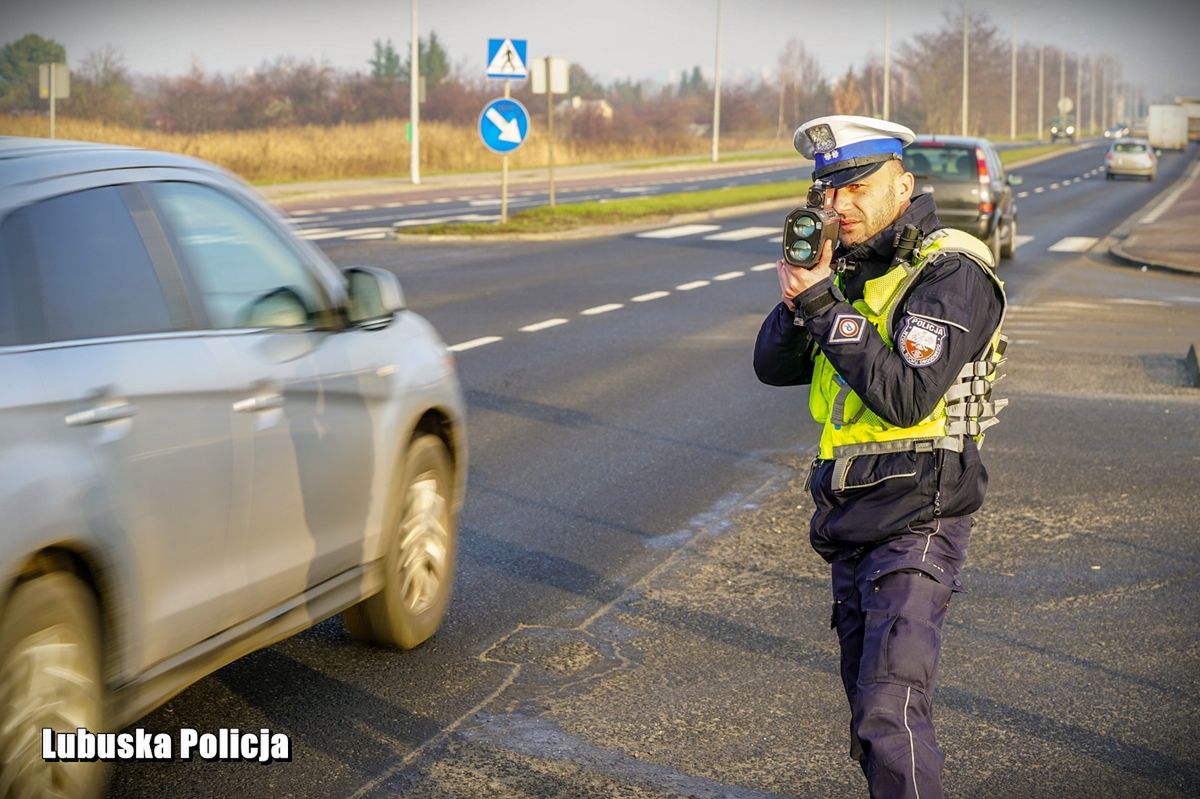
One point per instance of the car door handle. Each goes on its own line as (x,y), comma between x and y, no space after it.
(101,414)
(259,402)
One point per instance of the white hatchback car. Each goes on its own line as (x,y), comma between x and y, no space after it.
(210,439)
(1133,157)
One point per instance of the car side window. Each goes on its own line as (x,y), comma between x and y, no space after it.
(245,274)
(80,259)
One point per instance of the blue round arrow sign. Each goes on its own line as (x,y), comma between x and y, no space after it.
(503,125)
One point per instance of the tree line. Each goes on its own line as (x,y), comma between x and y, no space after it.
(924,87)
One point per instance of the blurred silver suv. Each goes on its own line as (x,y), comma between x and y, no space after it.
(210,439)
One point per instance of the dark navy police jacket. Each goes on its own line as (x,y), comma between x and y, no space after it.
(950,288)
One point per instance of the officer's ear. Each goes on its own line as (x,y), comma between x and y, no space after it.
(905,182)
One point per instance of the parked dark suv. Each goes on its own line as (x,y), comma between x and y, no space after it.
(969,184)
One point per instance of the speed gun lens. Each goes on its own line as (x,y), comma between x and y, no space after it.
(804,227)
(801,251)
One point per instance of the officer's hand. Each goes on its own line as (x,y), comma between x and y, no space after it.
(793,280)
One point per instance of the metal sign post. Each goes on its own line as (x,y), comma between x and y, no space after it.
(550,77)
(504,124)
(54,82)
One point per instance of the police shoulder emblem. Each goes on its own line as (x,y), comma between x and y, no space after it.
(921,341)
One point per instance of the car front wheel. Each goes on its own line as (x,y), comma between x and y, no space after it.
(419,563)
(50,677)
(993,243)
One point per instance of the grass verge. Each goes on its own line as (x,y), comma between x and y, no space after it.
(616,212)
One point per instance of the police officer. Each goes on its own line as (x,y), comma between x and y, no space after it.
(898,332)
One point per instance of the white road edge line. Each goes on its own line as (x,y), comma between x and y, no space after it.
(536,326)
(475,342)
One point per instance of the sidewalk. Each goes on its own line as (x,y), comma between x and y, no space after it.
(1168,235)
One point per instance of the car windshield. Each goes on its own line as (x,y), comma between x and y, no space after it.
(956,164)
(1129,147)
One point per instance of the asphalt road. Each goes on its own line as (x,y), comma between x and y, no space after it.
(637,612)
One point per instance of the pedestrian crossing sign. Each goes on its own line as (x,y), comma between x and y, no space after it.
(506,59)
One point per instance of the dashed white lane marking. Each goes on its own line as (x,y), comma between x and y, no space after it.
(536,326)
(1039,190)
(1077,306)
(1135,301)
(302,213)
(304,234)
(345,234)
(695,284)
(1019,240)
(1022,195)
(728,275)
(776,240)
(392,205)
(483,202)
(369,236)
(445,200)
(654,295)
(475,342)
(362,208)
(334,210)
(1074,244)
(1053,185)
(742,234)
(599,309)
(676,232)
(633,190)
(1026,341)
(763,267)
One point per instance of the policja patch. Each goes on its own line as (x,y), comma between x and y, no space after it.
(921,341)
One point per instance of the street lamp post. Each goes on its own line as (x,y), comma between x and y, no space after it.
(966,68)
(1041,89)
(716,137)
(1012,110)
(414,101)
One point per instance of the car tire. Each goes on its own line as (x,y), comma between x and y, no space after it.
(50,676)
(1009,248)
(419,561)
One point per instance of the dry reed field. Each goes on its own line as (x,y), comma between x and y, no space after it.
(375,149)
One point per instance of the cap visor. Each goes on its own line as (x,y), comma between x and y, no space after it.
(844,177)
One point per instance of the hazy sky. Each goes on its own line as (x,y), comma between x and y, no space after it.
(1157,39)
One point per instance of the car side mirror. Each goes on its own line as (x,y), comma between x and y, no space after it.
(374,296)
(1014,180)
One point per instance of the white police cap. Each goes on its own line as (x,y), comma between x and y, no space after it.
(848,148)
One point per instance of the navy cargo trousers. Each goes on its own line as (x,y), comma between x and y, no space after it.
(888,608)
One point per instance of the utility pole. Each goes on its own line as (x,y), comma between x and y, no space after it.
(716,137)
(414,101)
(966,68)
(1041,88)
(887,60)
(1012,109)
(1062,86)
(1092,95)
(1079,94)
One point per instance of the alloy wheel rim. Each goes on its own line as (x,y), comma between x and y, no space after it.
(424,545)
(44,684)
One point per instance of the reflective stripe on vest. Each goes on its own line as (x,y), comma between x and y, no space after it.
(851,429)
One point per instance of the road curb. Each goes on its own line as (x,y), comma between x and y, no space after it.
(1115,240)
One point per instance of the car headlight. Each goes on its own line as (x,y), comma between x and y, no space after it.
(1070,130)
